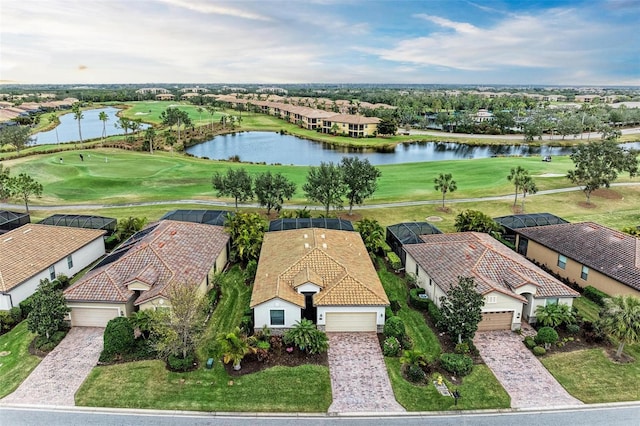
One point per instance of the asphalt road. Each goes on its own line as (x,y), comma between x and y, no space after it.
(584,136)
(606,414)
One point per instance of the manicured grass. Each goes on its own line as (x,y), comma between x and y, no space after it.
(479,390)
(18,364)
(147,384)
(587,308)
(592,377)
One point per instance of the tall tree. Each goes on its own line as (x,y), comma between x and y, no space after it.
(528,186)
(271,190)
(372,234)
(236,184)
(598,163)
(517,175)
(104,117)
(18,136)
(150,137)
(360,178)
(53,119)
(504,120)
(124,124)
(129,226)
(445,183)
(5,183)
(325,185)
(48,310)
(462,309)
(620,318)
(246,231)
(77,115)
(25,187)
(476,221)
(387,126)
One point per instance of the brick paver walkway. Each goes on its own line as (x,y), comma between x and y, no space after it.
(526,380)
(59,375)
(359,379)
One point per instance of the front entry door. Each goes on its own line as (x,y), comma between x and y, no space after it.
(309,312)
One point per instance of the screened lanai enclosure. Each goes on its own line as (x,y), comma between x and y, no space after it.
(12,220)
(82,221)
(408,233)
(517,221)
(316,222)
(208,217)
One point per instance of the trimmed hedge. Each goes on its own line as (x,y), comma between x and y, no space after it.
(435,314)
(458,364)
(529,342)
(119,338)
(416,301)
(595,295)
(394,260)
(539,351)
(394,327)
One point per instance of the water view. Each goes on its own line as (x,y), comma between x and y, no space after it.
(274,148)
(90,124)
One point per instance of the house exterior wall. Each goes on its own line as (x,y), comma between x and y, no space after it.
(163,302)
(504,303)
(221,260)
(81,259)
(262,317)
(322,314)
(308,287)
(572,271)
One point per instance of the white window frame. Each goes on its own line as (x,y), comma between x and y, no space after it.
(492,299)
(70,261)
(562,261)
(52,272)
(584,273)
(271,312)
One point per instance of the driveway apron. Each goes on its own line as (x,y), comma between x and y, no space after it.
(526,380)
(59,375)
(359,379)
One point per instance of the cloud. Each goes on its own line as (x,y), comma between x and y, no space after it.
(216,9)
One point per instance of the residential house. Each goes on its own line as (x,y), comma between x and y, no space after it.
(34,252)
(512,286)
(323,275)
(355,126)
(139,274)
(586,253)
(165,97)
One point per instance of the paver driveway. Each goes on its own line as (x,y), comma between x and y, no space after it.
(59,375)
(521,374)
(359,379)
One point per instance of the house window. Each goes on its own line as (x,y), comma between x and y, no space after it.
(277,316)
(69,262)
(552,301)
(562,261)
(52,272)
(417,270)
(492,299)
(585,273)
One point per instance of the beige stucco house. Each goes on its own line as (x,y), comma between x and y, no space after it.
(34,252)
(512,286)
(323,275)
(586,253)
(138,274)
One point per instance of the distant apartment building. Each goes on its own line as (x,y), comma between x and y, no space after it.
(196,89)
(151,91)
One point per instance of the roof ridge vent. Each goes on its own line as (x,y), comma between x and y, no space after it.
(7,239)
(324,246)
(27,231)
(306,245)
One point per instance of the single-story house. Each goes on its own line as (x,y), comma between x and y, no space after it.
(139,273)
(586,253)
(323,275)
(512,286)
(34,252)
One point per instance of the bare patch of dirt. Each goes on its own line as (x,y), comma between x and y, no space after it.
(622,359)
(445,209)
(586,205)
(516,209)
(607,193)
(354,217)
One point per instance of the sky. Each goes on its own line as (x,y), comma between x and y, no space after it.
(531,42)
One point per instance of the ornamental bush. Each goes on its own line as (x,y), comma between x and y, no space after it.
(394,327)
(529,342)
(458,364)
(573,328)
(539,351)
(177,363)
(546,336)
(394,261)
(415,373)
(307,337)
(391,347)
(595,295)
(416,301)
(119,339)
(435,314)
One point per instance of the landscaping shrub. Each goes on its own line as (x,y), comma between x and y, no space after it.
(435,314)
(26,306)
(415,374)
(391,347)
(529,342)
(177,363)
(546,336)
(246,324)
(394,327)
(592,332)
(462,348)
(458,364)
(395,305)
(595,295)
(406,342)
(44,345)
(388,313)
(6,321)
(16,314)
(539,351)
(250,270)
(118,339)
(394,261)
(307,337)
(416,302)
(573,328)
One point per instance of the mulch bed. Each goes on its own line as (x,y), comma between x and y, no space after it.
(277,356)
(606,193)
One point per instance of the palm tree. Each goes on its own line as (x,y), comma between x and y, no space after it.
(200,110)
(234,347)
(620,318)
(413,357)
(149,136)
(53,118)
(211,110)
(77,114)
(104,118)
(517,176)
(528,187)
(445,183)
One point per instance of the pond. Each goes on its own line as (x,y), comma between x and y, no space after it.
(91,127)
(274,148)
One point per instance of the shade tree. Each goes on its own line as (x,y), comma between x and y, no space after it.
(360,179)
(272,189)
(235,183)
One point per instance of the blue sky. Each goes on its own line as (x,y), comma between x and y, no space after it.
(594,42)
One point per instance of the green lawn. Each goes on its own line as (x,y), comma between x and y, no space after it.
(587,308)
(147,384)
(592,377)
(480,389)
(18,363)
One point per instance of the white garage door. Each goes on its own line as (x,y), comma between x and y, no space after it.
(92,317)
(351,321)
(495,321)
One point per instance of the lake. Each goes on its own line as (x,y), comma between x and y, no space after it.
(90,124)
(274,148)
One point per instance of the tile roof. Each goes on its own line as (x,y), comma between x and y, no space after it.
(181,252)
(33,248)
(602,249)
(494,266)
(353,119)
(336,261)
